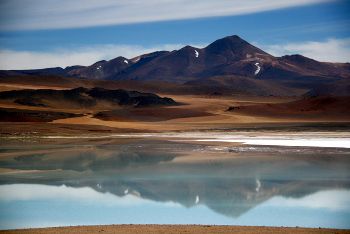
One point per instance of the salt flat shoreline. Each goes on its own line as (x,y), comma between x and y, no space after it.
(128,228)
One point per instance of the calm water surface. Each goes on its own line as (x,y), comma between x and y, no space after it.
(177,179)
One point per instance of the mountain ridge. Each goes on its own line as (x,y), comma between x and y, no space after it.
(230,56)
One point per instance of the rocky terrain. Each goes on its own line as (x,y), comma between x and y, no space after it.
(83,97)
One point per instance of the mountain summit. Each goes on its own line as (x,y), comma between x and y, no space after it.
(234,48)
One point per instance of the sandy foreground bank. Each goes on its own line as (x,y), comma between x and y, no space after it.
(203,229)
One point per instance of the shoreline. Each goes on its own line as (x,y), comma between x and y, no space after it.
(151,228)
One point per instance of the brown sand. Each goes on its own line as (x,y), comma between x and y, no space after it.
(215,116)
(198,112)
(169,229)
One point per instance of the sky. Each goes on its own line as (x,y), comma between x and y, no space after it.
(51,33)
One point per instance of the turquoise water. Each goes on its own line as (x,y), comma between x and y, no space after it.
(145,180)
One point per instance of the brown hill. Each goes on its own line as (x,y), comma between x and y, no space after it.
(326,107)
(83,98)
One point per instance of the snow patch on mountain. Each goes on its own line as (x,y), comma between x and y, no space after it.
(196,53)
(258,68)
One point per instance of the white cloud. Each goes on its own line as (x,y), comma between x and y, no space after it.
(43,14)
(331,50)
(32,192)
(329,199)
(15,60)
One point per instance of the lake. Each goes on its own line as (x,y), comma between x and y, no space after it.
(270,178)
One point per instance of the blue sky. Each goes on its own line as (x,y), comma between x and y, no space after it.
(38,33)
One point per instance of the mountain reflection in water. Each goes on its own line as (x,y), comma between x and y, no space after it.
(230,180)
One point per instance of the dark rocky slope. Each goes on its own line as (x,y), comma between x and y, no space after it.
(83,97)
